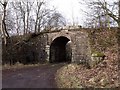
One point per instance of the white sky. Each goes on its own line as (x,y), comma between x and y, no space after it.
(71,9)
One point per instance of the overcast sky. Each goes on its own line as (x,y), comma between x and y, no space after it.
(71,9)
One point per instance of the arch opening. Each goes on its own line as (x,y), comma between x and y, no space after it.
(60,50)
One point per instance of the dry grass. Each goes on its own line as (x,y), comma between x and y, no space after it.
(105,75)
(18,66)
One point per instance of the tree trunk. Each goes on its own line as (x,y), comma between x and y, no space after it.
(27,18)
(5,29)
(119,24)
(4,17)
(3,32)
(3,24)
(39,27)
(27,23)
(36,25)
(17,29)
(24,24)
(119,14)
(39,5)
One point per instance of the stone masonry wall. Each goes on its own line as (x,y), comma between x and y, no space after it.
(79,44)
(35,48)
(81,48)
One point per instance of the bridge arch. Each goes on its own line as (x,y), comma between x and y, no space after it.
(60,50)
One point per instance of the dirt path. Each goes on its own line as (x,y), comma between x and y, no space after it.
(32,77)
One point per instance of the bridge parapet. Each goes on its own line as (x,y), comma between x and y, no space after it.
(79,43)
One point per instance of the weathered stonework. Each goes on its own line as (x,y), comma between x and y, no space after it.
(79,44)
(63,45)
(71,45)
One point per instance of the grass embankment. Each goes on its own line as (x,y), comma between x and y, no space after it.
(105,75)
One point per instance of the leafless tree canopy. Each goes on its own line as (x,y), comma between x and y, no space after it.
(26,16)
(103,13)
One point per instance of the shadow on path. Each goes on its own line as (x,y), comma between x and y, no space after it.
(34,77)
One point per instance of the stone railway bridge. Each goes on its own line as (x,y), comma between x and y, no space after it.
(67,45)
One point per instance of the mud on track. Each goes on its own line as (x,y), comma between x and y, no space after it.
(33,77)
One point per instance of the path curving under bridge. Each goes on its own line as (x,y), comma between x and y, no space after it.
(33,77)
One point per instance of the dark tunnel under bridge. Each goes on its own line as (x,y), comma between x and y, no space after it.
(60,50)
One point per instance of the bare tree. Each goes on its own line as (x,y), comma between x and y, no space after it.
(30,16)
(43,15)
(17,16)
(111,13)
(108,12)
(40,13)
(118,19)
(28,7)
(56,20)
(23,12)
(10,22)
(3,24)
